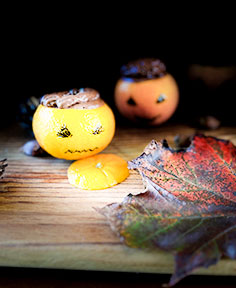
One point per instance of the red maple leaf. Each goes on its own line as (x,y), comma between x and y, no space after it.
(188,206)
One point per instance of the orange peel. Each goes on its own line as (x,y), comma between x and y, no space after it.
(73,133)
(98,172)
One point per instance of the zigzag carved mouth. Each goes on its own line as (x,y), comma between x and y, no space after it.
(81,151)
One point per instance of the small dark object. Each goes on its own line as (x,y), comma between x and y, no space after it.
(32,148)
(209,122)
(161,98)
(64,132)
(165,143)
(3,165)
(182,141)
(98,130)
(131,102)
(26,112)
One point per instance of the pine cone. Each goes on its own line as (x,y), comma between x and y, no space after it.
(26,112)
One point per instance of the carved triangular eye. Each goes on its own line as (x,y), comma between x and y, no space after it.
(64,132)
(131,102)
(161,98)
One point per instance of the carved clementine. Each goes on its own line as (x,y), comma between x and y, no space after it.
(146,93)
(73,125)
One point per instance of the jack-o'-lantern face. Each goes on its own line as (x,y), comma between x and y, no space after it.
(73,133)
(149,101)
(146,93)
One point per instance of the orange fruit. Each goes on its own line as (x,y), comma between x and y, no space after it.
(146,100)
(98,172)
(73,133)
(149,101)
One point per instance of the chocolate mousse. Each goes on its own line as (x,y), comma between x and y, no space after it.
(83,98)
(144,69)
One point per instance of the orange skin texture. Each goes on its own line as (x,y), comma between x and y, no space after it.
(100,171)
(145,94)
(89,131)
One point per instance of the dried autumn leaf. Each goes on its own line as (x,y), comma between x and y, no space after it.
(188,206)
(3,165)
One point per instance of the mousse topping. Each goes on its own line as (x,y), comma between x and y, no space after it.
(83,98)
(143,69)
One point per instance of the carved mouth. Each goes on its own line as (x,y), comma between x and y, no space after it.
(146,120)
(80,151)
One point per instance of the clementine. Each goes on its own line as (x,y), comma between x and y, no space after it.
(73,133)
(146,93)
(98,172)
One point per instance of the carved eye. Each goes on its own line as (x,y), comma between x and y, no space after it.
(161,98)
(131,102)
(64,132)
(98,130)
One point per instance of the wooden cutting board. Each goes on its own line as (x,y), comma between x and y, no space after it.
(45,222)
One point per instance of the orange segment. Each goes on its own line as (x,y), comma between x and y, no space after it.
(98,172)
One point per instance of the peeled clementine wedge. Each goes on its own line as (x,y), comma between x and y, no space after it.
(98,172)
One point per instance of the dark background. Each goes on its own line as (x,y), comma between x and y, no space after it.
(51,278)
(46,51)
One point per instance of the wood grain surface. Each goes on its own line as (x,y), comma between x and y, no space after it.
(45,222)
